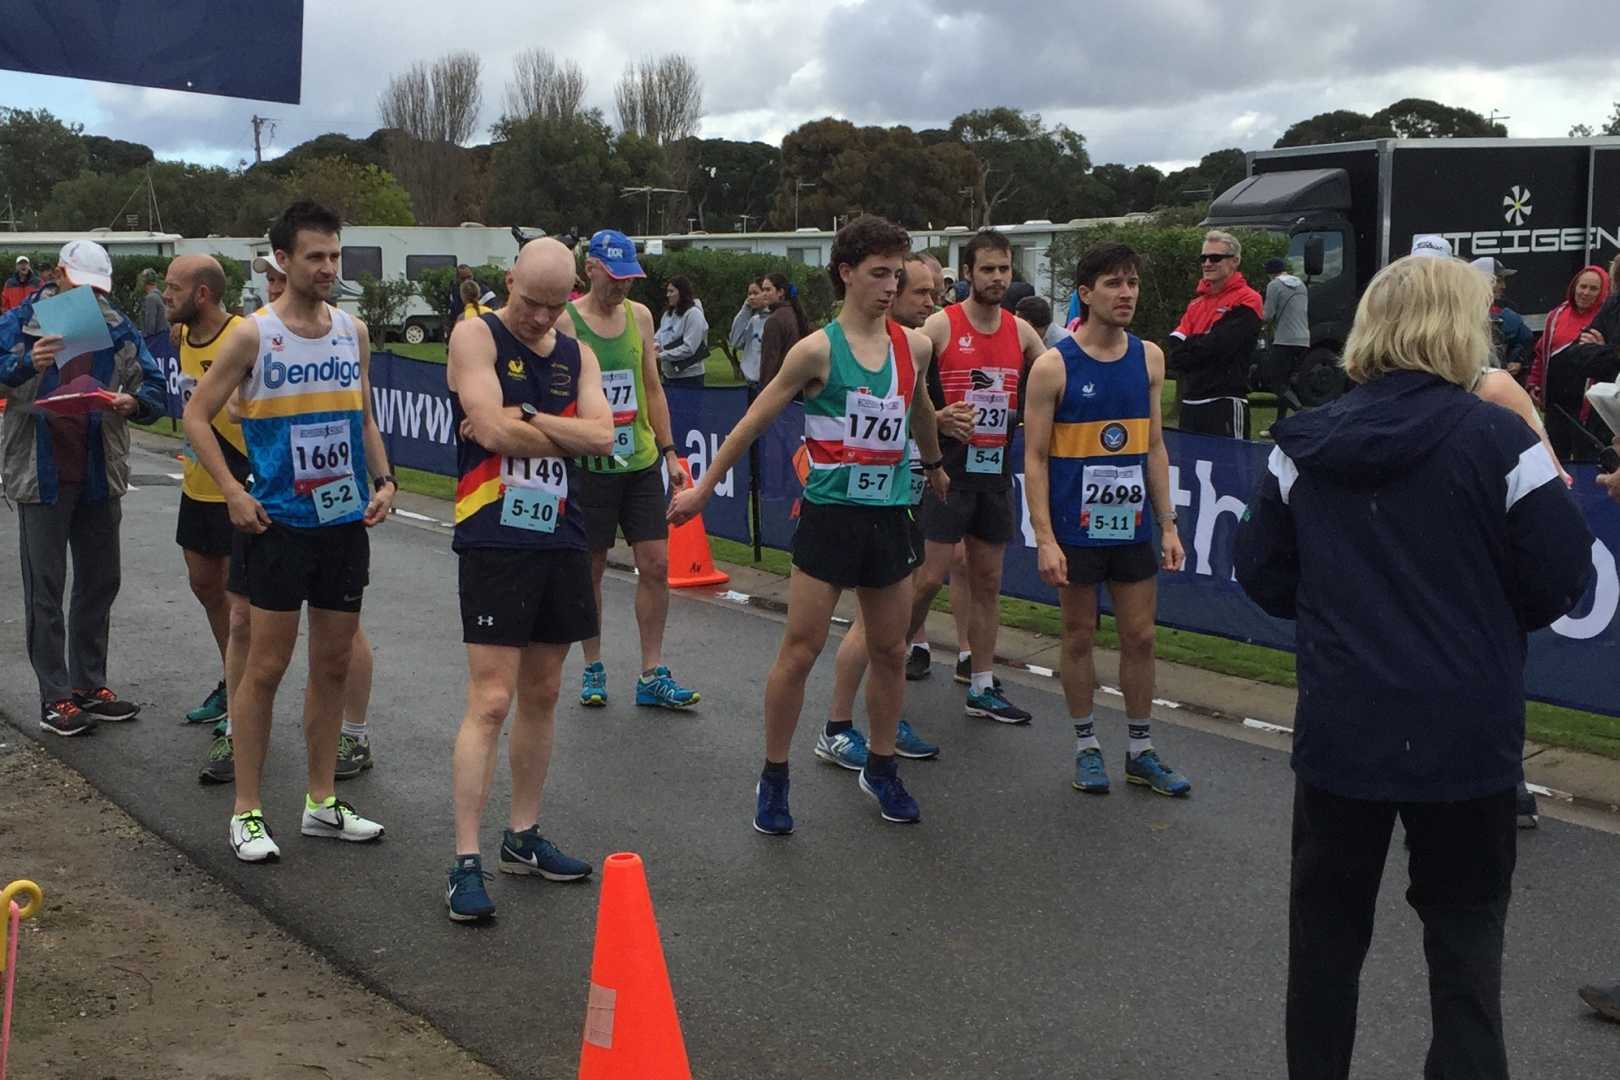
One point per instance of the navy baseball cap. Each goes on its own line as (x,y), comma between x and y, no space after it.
(617,253)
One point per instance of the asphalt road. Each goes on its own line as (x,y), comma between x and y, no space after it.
(1021,930)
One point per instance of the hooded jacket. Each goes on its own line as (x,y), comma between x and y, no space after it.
(27,456)
(1415,534)
(1287,309)
(1210,349)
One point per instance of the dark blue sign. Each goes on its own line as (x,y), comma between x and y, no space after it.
(234,50)
(412,406)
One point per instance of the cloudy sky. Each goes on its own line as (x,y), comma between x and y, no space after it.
(1160,81)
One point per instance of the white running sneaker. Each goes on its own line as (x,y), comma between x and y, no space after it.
(337,820)
(250,838)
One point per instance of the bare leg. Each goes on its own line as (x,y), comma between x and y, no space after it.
(984,569)
(592,647)
(961,598)
(207,575)
(1134,605)
(652,599)
(357,689)
(238,639)
(528,748)
(274,633)
(884,612)
(810,606)
(331,645)
(928,579)
(1077,670)
(849,667)
(491,683)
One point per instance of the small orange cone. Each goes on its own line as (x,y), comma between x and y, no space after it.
(690,562)
(631,1030)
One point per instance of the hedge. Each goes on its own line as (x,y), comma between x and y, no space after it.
(434,288)
(720,279)
(1170,268)
(126,290)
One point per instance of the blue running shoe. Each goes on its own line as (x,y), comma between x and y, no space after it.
(894,801)
(1146,769)
(593,687)
(528,852)
(662,690)
(846,749)
(212,710)
(771,815)
(466,897)
(1090,775)
(909,744)
(993,705)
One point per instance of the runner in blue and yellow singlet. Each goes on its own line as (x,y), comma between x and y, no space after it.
(1094,465)
(862,377)
(320,479)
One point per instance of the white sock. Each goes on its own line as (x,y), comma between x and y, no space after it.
(355,731)
(228,731)
(963,654)
(1141,736)
(982,681)
(923,645)
(1085,733)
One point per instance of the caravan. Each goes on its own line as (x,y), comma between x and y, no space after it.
(386,252)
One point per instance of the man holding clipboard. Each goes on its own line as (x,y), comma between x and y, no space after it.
(64,458)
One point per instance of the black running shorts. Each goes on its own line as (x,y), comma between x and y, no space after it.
(856,547)
(1124,563)
(525,597)
(983,515)
(632,501)
(204,527)
(326,568)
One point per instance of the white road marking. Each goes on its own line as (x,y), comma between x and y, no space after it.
(1038,670)
(414,516)
(1261,725)
(174,476)
(735,597)
(1167,704)
(1111,690)
(1551,793)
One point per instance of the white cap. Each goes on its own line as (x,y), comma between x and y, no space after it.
(86,263)
(1432,245)
(264,264)
(1493,267)
(20,260)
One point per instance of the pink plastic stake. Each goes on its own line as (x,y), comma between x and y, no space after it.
(14,917)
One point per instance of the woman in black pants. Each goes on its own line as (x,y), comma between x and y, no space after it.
(1415,533)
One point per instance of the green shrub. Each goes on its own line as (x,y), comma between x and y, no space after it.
(435,286)
(382,305)
(720,279)
(1170,268)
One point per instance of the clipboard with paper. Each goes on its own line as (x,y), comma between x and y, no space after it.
(74,316)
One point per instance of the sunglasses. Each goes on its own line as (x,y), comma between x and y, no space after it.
(1208,258)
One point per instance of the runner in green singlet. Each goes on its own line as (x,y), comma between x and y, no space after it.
(862,377)
(625,490)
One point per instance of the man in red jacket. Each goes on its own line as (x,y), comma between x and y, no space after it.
(1211,347)
(19,285)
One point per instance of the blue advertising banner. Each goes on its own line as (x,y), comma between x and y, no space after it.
(1211,480)
(1571,664)
(192,45)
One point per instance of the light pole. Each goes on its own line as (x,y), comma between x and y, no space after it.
(798,186)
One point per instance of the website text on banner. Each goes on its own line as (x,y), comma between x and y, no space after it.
(1571,664)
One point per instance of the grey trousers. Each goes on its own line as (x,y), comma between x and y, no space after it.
(46,534)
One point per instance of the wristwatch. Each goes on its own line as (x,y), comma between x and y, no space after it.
(528,410)
(930,466)
(385,478)
(1170,518)
(670,449)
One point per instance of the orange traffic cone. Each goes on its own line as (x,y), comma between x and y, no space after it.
(631,1030)
(690,562)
